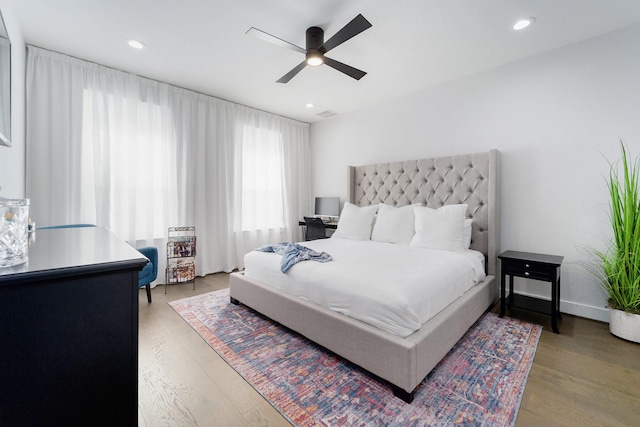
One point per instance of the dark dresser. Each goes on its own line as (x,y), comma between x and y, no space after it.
(69,331)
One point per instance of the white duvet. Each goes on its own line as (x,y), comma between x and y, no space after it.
(394,287)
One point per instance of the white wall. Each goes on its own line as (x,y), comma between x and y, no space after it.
(556,118)
(13,159)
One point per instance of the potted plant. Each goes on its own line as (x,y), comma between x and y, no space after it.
(617,268)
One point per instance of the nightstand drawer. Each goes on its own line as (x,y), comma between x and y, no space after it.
(529,274)
(528,269)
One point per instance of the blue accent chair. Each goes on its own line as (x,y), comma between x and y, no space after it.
(150,271)
(66,226)
(147,275)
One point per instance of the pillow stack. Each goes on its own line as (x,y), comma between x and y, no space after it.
(446,228)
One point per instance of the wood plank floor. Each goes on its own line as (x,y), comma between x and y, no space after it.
(582,377)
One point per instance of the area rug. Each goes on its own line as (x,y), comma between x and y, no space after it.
(480,382)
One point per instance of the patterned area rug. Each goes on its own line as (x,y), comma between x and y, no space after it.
(479,382)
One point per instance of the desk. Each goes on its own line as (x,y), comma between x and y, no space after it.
(333,225)
(531,266)
(69,331)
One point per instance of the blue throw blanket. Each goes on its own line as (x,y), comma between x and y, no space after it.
(293,253)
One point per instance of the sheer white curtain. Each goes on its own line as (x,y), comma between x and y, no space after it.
(138,156)
(270,174)
(128,164)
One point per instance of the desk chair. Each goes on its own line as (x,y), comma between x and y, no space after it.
(314,229)
(147,275)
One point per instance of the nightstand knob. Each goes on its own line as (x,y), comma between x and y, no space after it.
(526,265)
(526,273)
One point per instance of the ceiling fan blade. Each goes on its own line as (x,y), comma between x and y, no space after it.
(273,39)
(291,74)
(353,28)
(347,69)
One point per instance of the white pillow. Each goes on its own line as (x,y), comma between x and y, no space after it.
(394,225)
(355,222)
(441,229)
(466,239)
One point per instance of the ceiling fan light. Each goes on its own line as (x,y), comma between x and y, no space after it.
(314,59)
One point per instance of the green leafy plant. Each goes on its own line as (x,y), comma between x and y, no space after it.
(618,267)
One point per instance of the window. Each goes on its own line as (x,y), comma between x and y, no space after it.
(262,201)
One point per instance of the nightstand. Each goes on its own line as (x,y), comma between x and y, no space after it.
(531,266)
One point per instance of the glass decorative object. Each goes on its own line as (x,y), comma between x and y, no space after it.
(14,218)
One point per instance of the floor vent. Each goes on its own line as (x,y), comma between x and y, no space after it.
(327,113)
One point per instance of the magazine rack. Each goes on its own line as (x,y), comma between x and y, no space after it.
(181,256)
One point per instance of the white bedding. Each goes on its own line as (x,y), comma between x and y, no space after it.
(394,287)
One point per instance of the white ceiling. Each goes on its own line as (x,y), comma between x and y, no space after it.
(413,44)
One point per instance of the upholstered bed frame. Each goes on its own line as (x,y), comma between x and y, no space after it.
(404,362)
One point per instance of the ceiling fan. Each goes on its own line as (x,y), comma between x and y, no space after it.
(317,47)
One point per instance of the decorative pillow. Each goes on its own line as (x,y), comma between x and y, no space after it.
(466,238)
(394,225)
(441,229)
(355,222)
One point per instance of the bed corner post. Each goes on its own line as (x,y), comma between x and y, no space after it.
(494,198)
(494,215)
(351,184)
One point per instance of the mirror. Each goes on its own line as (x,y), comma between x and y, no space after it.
(5,86)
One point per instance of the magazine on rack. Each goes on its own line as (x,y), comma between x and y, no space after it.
(181,246)
(180,270)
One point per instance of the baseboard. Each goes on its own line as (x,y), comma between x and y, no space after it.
(588,311)
(583,310)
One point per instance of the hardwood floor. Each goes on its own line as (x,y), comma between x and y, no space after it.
(182,381)
(582,377)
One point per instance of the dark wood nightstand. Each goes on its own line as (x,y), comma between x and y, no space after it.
(531,266)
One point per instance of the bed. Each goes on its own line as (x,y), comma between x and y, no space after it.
(403,361)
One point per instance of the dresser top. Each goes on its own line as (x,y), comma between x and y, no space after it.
(64,251)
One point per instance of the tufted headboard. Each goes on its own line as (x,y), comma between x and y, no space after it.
(471,179)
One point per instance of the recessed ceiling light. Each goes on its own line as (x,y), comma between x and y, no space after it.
(523,23)
(309,105)
(136,44)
